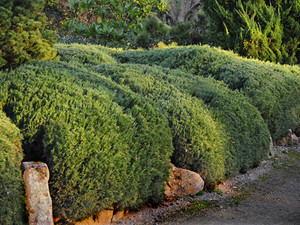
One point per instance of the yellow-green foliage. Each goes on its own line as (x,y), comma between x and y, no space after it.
(273,89)
(264,29)
(12,204)
(76,53)
(23,33)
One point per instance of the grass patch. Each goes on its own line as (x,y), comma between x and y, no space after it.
(238,198)
(219,192)
(293,155)
(275,164)
(200,193)
(197,206)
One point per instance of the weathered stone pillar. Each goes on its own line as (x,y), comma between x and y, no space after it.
(38,200)
(271,152)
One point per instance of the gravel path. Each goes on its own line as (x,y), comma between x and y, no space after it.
(268,194)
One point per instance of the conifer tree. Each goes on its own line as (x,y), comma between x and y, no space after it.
(23,33)
(290,20)
(267,30)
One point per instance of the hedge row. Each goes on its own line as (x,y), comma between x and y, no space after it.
(107,131)
(273,89)
(248,141)
(197,138)
(82,54)
(12,201)
(100,154)
(247,138)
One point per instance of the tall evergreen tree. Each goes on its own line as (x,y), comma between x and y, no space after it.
(267,30)
(23,33)
(290,20)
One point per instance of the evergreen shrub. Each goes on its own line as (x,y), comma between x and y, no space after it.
(191,32)
(198,140)
(247,139)
(194,131)
(180,33)
(151,33)
(273,89)
(101,154)
(12,202)
(264,29)
(76,53)
(23,33)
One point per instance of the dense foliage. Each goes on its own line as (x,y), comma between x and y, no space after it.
(99,21)
(83,54)
(151,33)
(273,89)
(108,131)
(191,32)
(189,121)
(105,147)
(246,138)
(23,33)
(262,29)
(12,204)
(197,139)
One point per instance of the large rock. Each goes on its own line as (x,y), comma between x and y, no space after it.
(183,182)
(271,152)
(38,200)
(295,139)
(290,139)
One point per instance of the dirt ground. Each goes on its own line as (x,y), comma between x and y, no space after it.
(268,194)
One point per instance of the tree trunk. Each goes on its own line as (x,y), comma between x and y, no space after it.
(183,10)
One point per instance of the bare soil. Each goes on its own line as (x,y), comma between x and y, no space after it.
(268,194)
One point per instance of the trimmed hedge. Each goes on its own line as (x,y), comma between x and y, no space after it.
(76,53)
(12,202)
(100,154)
(197,138)
(23,33)
(248,136)
(273,89)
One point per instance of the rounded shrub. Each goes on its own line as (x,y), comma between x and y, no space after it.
(76,53)
(151,33)
(248,132)
(181,33)
(142,39)
(12,203)
(100,153)
(273,89)
(198,139)
(248,135)
(23,33)
(248,138)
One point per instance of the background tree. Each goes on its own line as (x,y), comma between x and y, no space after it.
(152,32)
(267,30)
(183,10)
(290,20)
(105,21)
(23,33)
